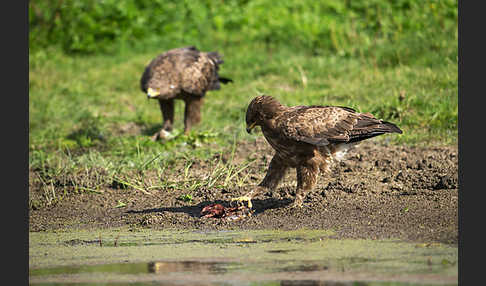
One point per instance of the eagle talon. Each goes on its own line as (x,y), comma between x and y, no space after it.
(162,135)
(297,203)
(155,137)
(241,199)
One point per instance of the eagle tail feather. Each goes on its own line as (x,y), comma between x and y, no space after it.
(215,57)
(390,127)
(224,80)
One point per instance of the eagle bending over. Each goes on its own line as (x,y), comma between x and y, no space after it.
(182,73)
(307,138)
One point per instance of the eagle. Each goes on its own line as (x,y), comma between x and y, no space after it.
(182,73)
(307,138)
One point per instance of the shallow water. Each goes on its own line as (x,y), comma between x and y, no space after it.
(303,257)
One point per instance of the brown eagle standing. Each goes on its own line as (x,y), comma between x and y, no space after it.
(308,138)
(182,73)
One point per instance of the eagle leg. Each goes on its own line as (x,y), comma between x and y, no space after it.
(275,173)
(192,112)
(167,109)
(306,180)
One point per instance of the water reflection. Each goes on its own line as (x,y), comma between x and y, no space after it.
(320,283)
(187,266)
(180,271)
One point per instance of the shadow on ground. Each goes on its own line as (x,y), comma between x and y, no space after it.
(259,206)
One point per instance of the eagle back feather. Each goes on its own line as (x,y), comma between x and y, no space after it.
(183,69)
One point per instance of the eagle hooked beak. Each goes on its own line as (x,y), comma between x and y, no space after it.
(152,93)
(249,128)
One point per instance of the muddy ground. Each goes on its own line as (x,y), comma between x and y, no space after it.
(379,191)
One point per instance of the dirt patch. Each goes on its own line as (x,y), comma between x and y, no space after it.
(379,191)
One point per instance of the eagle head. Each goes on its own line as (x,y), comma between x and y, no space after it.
(260,109)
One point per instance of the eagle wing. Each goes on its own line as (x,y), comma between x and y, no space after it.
(200,72)
(322,125)
(183,69)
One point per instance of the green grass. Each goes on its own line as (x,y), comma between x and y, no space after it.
(84,102)
(90,124)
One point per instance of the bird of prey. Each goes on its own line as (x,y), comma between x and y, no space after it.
(185,74)
(308,138)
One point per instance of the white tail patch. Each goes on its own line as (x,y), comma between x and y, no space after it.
(336,153)
(341,150)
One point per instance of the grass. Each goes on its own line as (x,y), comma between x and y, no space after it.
(90,125)
(78,102)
